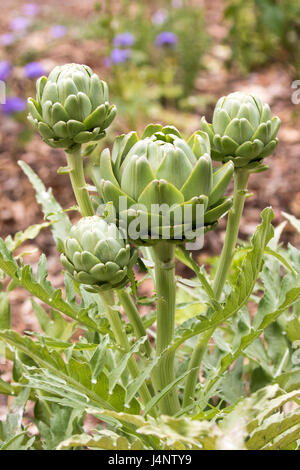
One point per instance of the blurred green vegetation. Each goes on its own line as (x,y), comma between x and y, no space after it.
(263,31)
(156,73)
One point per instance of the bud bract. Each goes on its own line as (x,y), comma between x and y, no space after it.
(96,254)
(71,107)
(163,170)
(242,130)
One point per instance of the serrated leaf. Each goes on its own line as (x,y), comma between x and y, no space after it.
(98,360)
(241,291)
(104,440)
(61,224)
(71,375)
(249,338)
(278,348)
(283,441)
(272,428)
(156,399)
(12,433)
(186,258)
(115,375)
(19,442)
(283,260)
(232,387)
(290,380)
(54,325)
(29,234)
(136,384)
(252,412)
(265,407)
(182,433)
(63,423)
(41,288)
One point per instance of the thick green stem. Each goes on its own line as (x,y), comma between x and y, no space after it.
(234,217)
(122,340)
(134,318)
(75,165)
(165,286)
(194,366)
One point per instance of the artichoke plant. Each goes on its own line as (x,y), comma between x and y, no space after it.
(95,254)
(71,107)
(242,130)
(163,169)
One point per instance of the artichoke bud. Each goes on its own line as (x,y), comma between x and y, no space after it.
(96,254)
(71,107)
(242,130)
(162,169)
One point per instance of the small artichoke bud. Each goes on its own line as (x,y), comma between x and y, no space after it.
(242,130)
(163,169)
(96,254)
(71,107)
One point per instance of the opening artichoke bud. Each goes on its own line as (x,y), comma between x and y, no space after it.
(163,186)
(242,130)
(97,255)
(71,107)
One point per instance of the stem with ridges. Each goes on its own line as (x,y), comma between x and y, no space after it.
(134,318)
(234,218)
(122,340)
(75,165)
(165,286)
(232,230)
(195,362)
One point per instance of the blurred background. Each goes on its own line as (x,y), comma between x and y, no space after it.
(165,61)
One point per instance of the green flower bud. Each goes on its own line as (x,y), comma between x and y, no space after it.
(242,130)
(95,254)
(163,169)
(71,107)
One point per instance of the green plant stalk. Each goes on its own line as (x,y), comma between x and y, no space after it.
(138,326)
(134,318)
(75,169)
(165,286)
(194,366)
(234,217)
(122,340)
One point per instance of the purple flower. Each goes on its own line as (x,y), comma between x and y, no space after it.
(118,56)
(34,70)
(13,104)
(19,23)
(166,38)
(58,31)
(7,39)
(124,39)
(5,70)
(30,9)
